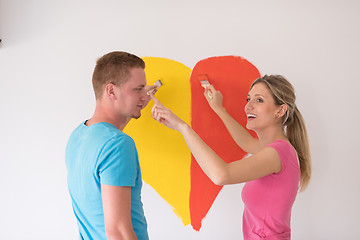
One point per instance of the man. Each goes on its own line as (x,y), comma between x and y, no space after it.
(104,176)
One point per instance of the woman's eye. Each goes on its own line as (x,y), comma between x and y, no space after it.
(248,99)
(259,100)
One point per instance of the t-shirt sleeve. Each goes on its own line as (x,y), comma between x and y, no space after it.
(118,162)
(282,149)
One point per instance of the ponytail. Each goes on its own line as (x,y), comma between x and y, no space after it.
(297,135)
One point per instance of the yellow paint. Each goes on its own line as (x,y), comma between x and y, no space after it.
(164,157)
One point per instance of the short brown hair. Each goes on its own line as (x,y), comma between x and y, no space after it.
(114,67)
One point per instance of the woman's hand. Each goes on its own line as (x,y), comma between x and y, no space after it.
(165,116)
(149,89)
(214,98)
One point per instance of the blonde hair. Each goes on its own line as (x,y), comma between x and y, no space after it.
(293,122)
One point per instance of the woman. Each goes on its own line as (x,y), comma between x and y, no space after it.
(280,162)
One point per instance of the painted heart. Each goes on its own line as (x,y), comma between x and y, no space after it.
(166,162)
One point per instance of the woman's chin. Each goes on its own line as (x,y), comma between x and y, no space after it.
(249,126)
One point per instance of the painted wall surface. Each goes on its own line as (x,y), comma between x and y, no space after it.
(47,55)
(163,154)
(232,76)
(166,162)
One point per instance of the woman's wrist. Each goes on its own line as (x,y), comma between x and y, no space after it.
(183,127)
(220,111)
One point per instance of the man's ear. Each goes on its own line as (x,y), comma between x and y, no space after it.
(109,90)
(282,110)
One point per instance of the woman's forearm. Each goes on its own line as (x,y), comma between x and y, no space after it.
(242,137)
(213,166)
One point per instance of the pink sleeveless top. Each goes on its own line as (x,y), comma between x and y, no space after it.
(268,200)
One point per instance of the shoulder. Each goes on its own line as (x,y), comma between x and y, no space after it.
(282,147)
(273,149)
(111,134)
(78,130)
(119,150)
(120,140)
(109,140)
(285,151)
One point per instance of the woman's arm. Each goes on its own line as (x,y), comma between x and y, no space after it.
(265,162)
(242,138)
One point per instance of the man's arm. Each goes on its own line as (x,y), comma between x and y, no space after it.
(117,212)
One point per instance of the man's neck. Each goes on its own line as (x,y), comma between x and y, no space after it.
(121,128)
(102,114)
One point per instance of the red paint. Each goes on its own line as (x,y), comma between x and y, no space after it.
(232,76)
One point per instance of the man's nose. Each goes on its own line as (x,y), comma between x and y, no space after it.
(144,95)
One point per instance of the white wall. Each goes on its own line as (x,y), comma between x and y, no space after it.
(47,56)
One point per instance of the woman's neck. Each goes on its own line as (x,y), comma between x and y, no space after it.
(269,135)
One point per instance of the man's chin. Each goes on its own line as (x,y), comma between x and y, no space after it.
(136,116)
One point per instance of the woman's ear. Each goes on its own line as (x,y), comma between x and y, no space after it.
(282,110)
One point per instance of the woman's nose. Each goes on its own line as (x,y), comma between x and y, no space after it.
(248,106)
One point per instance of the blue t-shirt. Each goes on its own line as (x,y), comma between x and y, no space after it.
(102,154)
